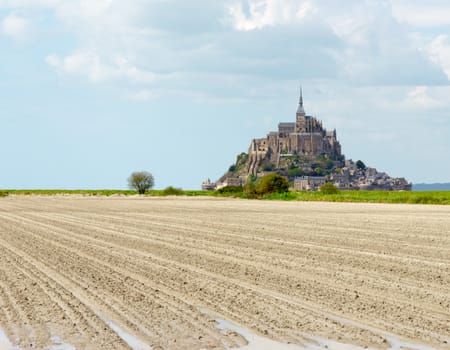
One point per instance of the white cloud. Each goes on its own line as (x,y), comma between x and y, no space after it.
(419,97)
(440,52)
(15,27)
(53,60)
(91,65)
(380,50)
(422,13)
(247,42)
(263,13)
(143,95)
(82,63)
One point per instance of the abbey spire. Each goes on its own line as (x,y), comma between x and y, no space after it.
(300,109)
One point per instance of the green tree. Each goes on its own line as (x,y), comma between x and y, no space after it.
(328,188)
(241,159)
(273,183)
(318,171)
(250,189)
(230,190)
(293,172)
(360,165)
(173,191)
(141,181)
(329,164)
(266,165)
(252,178)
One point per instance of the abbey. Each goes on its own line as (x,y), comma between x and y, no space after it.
(305,137)
(308,156)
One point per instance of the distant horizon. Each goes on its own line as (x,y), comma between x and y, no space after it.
(445,184)
(91,91)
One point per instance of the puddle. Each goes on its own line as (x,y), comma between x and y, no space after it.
(5,344)
(321,343)
(256,342)
(59,344)
(133,342)
(397,344)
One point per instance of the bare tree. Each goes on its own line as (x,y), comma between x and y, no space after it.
(141,181)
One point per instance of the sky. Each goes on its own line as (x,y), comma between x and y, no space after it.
(91,91)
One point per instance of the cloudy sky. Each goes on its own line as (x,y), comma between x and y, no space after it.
(91,90)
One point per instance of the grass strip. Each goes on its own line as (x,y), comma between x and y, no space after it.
(425,197)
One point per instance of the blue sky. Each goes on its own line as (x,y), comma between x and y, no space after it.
(93,90)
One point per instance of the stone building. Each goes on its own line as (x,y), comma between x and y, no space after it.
(309,183)
(208,185)
(305,137)
(230,181)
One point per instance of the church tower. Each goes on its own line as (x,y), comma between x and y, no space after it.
(300,123)
(300,110)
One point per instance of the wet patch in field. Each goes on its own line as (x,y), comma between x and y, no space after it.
(133,342)
(5,344)
(256,342)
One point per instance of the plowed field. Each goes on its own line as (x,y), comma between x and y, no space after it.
(77,268)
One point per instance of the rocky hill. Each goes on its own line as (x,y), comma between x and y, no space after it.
(308,155)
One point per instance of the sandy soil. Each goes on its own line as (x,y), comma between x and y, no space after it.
(72,266)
